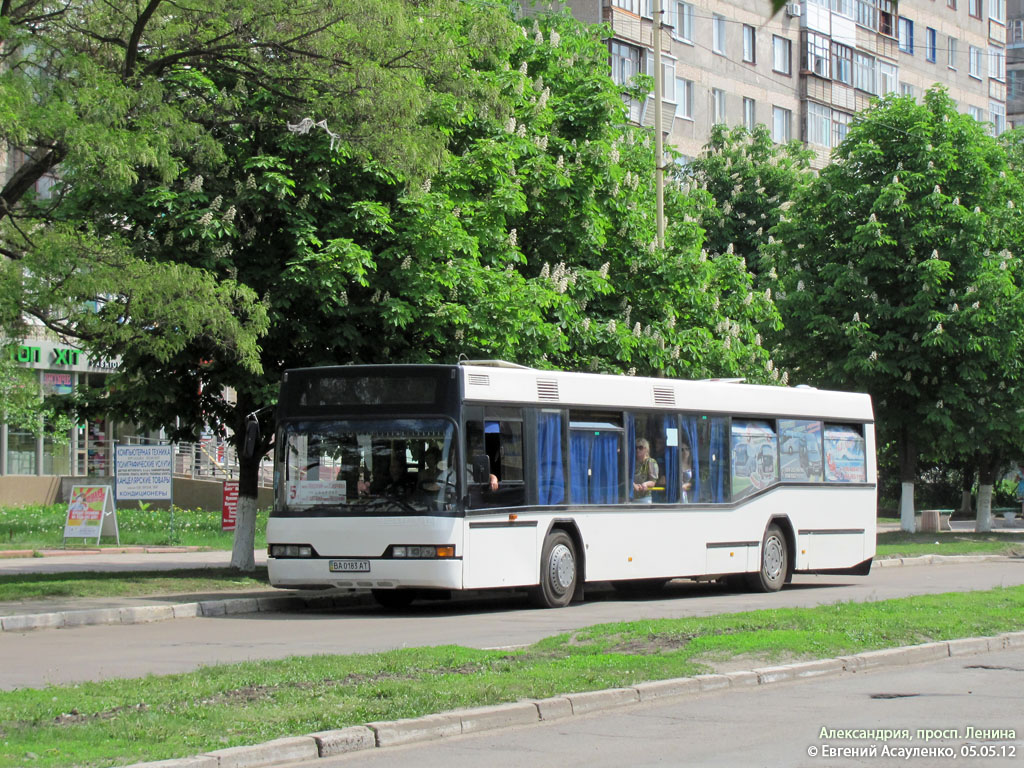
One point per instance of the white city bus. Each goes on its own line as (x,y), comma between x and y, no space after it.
(420,480)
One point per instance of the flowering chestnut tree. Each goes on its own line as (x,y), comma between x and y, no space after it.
(531,237)
(901,277)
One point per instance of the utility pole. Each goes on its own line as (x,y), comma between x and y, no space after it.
(659,149)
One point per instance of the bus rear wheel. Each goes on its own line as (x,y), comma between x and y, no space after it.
(774,562)
(558,572)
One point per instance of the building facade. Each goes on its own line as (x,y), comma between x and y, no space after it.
(805,71)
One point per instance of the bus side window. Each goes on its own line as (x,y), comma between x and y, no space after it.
(495,448)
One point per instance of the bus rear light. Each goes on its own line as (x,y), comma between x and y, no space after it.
(421,551)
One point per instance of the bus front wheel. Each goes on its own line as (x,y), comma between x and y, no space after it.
(558,572)
(774,562)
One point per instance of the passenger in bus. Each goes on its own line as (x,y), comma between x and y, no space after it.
(433,476)
(398,481)
(645,473)
(686,473)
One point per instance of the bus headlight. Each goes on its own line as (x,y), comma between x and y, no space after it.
(422,551)
(291,550)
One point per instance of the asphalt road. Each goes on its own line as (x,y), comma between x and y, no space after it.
(776,725)
(34,659)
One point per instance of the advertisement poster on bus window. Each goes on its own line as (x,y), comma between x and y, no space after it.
(844,456)
(753,458)
(306,493)
(800,451)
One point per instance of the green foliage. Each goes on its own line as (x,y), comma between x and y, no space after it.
(751,179)
(916,299)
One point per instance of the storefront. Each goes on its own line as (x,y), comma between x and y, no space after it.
(88,448)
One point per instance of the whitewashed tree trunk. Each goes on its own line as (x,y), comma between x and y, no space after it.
(242,556)
(984,522)
(907,519)
(965,503)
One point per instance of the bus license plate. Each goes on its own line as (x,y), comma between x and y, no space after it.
(349,566)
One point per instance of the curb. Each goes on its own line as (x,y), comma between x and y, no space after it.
(146,614)
(12,554)
(378,735)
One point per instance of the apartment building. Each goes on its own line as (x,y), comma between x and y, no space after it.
(1015,63)
(805,71)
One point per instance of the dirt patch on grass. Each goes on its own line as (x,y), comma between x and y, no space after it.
(745,661)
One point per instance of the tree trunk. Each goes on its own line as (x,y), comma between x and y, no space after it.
(986,479)
(966,488)
(243,550)
(908,475)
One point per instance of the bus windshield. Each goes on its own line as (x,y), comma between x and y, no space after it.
(368,466)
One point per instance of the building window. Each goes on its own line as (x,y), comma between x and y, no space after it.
(840,126)
(997,63)
(867,13)
(749,44)
(885,17)
(951,52)
(906,35)
(684,98)
(974,62)
(864,72)
(718,34)
(997,114)
(1015,33)
(781,119)
(930,40)
(888,75)
(625,62)
(906,89)
(843,8)
(951,4)
(974,8)
(781,58)
(749,114)
(684,21)
(975,112)
(819,124)
(816,54)
(718,105)
(997,10)
(842,63)
(1015,84)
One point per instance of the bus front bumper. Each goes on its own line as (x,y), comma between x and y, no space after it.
(381,574)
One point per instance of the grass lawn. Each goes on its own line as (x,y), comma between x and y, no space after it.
(161,717)
(902,544)
(42,527)
(33,586)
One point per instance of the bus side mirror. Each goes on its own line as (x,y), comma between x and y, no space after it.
(481,468)
(252,437)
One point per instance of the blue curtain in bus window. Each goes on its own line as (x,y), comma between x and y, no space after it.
(604,468)
(670,469)
(550,477)
(719,461)
(580,444)
(690,434)
(631,450)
